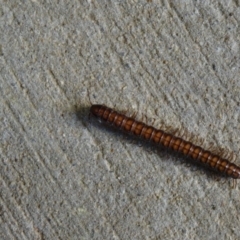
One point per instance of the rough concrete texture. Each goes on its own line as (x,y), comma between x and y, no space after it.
(64,176)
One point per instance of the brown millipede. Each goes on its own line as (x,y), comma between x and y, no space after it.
(167,140)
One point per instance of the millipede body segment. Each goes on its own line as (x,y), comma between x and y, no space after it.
(177,144)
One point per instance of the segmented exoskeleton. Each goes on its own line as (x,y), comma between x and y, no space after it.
(167,140)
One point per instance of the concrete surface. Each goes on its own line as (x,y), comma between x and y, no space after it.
(64,176)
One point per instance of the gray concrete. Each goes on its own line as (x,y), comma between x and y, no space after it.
(65,177)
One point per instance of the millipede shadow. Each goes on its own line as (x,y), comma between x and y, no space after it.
(85,117)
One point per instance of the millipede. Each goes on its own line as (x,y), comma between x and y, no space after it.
(167,140)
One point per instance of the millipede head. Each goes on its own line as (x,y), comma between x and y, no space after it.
(94,110)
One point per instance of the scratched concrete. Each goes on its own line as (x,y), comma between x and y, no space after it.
(63,176)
